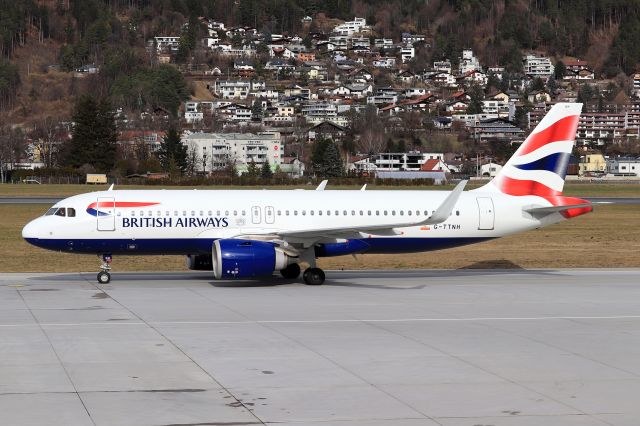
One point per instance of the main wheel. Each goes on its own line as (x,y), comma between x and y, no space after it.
(291,272)
(313,276)
(104,277)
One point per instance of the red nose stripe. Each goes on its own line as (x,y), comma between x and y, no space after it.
(562,130)
(121,204)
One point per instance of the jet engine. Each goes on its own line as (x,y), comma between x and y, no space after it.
(233,258)
(199,262)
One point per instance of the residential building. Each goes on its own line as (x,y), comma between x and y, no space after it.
(407,53)
(167,43)
(624,166)
(538,66)
(231,89)
(349,28)
(217,150)
(592,163)
(468,62)
(408,38)
(396,161)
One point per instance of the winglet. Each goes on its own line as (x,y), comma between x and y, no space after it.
(322,185)
(444,211)
(364,187)
(111,187)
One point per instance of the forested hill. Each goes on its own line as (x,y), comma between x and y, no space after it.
(496,28)
(113,33)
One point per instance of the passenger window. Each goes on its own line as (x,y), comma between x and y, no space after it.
(426,213)
(401,212)
(226,212)
(377,212)
(393,212)
(244,212)
(175,213)
(417,212)
(150,213)
(184,212)
(344,212)
(133,213)
(368,212)
(210,213)
(61,212)
(71,212)
(409,212)
(235,212)
(159,213)
(361,213)
(328,212)
(295,212)
(279,212)
(319,212)
(337,212)
(286,212)
(311,212)
(218,213)
(457,212)
(193,213)
(304,212)
(141,213)
(201,213)
(385,212)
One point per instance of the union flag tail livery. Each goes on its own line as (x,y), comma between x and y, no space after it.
(245,234)
(539,166)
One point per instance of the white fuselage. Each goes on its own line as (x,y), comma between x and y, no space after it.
(188,221)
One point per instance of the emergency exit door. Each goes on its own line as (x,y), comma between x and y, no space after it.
(106,213)
(486,213)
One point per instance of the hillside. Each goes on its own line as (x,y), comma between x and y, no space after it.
(113,35)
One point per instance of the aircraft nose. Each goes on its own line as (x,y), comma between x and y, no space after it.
(30,230)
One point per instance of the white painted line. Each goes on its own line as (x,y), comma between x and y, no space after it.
(327,321)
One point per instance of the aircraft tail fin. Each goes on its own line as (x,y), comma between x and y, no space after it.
(539,166)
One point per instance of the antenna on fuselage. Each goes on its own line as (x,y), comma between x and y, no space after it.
(322,185)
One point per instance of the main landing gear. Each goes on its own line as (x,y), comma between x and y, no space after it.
(104,276)
(311,276)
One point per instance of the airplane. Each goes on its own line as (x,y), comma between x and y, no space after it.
(248,234)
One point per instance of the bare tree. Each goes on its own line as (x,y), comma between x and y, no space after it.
(370,129)
(11,149)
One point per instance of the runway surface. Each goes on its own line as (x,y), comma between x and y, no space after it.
(53,200)
(467,347)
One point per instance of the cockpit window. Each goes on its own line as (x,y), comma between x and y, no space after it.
(61,212)
(51,212)
(71,212)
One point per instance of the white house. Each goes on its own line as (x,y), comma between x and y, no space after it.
(407,53)
(217,150)
(627,166)
(538,66)
(358,25)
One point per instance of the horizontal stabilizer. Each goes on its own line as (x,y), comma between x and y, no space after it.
(556,209)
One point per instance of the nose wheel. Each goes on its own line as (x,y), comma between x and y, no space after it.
(104,276)
(313,276)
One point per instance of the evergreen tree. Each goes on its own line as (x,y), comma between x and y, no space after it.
(265,171)
(173,153)
(475,103)
(326,159)
(94,135)
(252,169)
(560,70)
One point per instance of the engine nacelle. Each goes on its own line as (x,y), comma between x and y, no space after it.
(246,258)
(199,262)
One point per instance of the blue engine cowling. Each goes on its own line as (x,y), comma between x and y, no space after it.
(246,258)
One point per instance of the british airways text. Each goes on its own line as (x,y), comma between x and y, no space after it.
(168,222)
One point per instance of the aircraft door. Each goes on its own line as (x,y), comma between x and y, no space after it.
(106,213)
(256,215)
(269,215)
(486,213)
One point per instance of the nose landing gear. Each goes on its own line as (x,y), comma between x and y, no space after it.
(104,276)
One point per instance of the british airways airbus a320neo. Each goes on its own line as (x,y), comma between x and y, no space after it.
(248,234)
